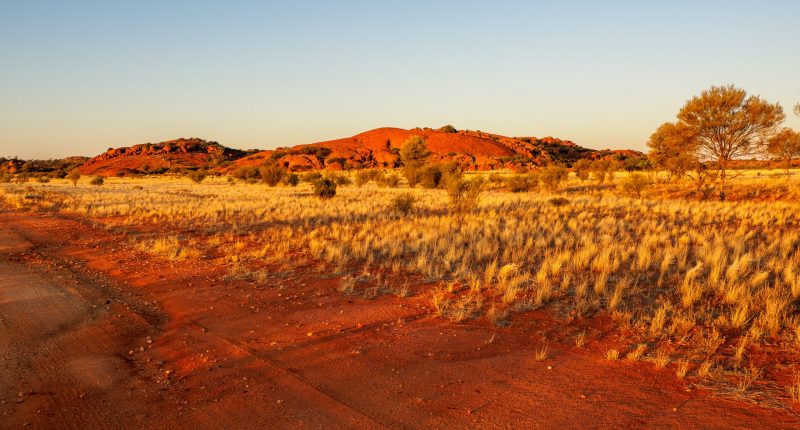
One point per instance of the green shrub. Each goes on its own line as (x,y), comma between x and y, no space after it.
(635,184)
(292,179)
(391,180)
(197,176)
(430,176)
(311,177)
(464,195)
(522,183)
(248,174)
(404,203)
(363,176)
(582,168)
(340,179)
(97,181)
(272,174)
(74,176)
(325,188)
(448,129)
(552,176)
(558,201)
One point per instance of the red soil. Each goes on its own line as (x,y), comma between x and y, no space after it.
(97,336)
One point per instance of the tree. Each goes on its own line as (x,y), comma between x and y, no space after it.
(784,146)
(272,174)
(581,168)
(552,176)
(797,109)
(413,154)
(727,124)
(197,176)
(74,176)
(673,147)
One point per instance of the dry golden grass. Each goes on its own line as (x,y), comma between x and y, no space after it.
(670,268)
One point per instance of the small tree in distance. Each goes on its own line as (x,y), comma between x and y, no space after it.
(74,176)
(197,176)
(673,147)
(785,146)
(413,154)
(727,124)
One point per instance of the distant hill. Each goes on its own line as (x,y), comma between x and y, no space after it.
(379,148)
(473,150)
(153,158)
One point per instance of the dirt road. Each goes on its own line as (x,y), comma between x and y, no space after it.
(95,335)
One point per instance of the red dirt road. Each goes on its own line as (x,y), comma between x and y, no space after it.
(94,335)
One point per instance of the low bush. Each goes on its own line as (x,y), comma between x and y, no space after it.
(325,188)
(464,195)
(197,176)
(522,183)
(97,181)
(404,203)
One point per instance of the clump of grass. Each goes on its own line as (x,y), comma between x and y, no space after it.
(612,355)
(580,339)
(541,354)
(682,369)
(636,353)
(404,203)
(661,359)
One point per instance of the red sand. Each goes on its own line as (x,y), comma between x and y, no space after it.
(94,335)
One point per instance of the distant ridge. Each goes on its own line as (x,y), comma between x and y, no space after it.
(378,148)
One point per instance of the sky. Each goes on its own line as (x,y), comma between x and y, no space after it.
(78,77)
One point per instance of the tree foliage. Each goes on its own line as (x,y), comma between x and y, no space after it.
(785,146)
(673,147)
(413,154)
(726,125)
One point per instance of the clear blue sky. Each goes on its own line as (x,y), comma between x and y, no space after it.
(77,77)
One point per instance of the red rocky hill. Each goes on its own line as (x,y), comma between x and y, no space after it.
(379,148)
(149,158)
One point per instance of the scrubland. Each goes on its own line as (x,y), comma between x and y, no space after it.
(699,285)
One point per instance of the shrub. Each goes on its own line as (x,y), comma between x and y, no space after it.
(552,176)
(271,174)
(248,174)
(464,195)
(311,177)
(558,201)
(42,179)
(404,203)
(292,179)
(364,176)
(635,183)
(197,176)
(6,178)
(325,188)
(340,179)
(430,176)
(391,180)
(522,183)
(448,129)
(74,176)
(413,154)
(97,181)
(582,168)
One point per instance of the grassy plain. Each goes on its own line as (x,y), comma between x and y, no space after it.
(708,287)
